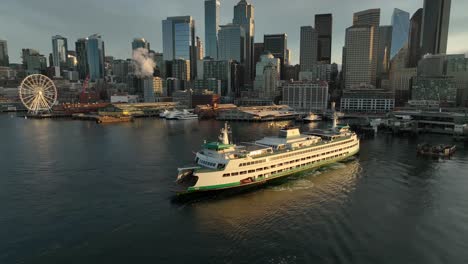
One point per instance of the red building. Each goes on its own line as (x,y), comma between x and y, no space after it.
(204,99)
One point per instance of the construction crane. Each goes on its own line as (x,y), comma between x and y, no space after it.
(84,98)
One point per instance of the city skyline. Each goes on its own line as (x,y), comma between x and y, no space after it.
(121,22)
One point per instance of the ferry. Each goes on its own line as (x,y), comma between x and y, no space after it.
(223,165)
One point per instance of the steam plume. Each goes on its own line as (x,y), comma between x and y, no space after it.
(143,63)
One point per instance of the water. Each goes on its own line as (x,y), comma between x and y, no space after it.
(78,192)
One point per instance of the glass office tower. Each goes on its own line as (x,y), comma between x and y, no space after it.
(59,51)
(436,19)
(400,24)
(179,40)
(324,27)
(211,28)
(95,54)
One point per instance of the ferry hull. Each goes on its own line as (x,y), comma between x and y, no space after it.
(237,187)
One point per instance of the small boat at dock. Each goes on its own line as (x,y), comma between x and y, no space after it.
(311,117)
(436,150)
(113,119)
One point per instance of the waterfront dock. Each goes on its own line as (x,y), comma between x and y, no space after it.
(52,115)
(259,114)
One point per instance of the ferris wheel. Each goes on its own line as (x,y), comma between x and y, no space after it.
(38,93)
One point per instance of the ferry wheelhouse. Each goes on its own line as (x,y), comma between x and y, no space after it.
(224,165)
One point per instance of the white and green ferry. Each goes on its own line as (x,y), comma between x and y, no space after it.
(222,165)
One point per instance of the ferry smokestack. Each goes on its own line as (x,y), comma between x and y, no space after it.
(224,137)
(335,120)
(334,115)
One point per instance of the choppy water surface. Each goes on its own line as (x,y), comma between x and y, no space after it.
(77,192)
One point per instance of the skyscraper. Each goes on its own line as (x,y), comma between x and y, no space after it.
(308,48)
(228,72)
(259,48)
(59,51)
(200,50)
(414,38)
(95,53)
(400,23)
(140,43)
(82,58)
(277,44)
(268,74)
(4,59)
(401,77)
(33,61)
(181,69)
(435,27)
(324,27)
(232,43)
(358,54)
(383,55)
(179,40)
(244,15)
(212,27)
(367,17)
(370,17)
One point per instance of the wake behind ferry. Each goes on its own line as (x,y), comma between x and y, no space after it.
(223,165)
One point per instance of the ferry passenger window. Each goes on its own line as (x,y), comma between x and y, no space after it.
(243,172)
(226,175)
(251,171)
(234,173)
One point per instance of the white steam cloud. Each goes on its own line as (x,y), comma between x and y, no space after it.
(143,63)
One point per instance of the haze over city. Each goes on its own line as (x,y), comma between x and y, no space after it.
(32,23)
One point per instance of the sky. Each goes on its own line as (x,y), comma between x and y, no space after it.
(32,23)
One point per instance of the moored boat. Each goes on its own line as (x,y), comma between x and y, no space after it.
(311,117)
(113,119)
(171,115)
(186,115)
(163,114)
(436,150)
